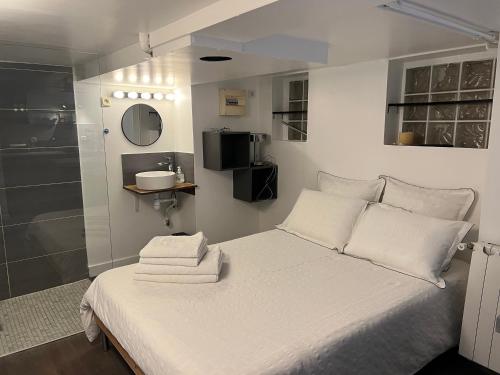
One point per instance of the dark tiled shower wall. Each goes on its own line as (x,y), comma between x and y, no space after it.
(42,237)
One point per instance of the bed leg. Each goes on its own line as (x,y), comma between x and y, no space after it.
(104,341)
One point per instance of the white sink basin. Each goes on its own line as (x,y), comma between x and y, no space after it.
(155,180)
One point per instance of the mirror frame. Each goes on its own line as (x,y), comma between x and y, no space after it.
(125,135)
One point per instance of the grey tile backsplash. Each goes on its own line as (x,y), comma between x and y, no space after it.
(134,163)
(42,235)
(186,161)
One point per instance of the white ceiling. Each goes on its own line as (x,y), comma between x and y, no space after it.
(356,29)
(97,26)
(184,67)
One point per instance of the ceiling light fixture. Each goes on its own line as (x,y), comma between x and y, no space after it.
(118,94)
(118,76)
(132,78)
(170,80)
(170,96)
(132,95)
(215,58)
(411,9)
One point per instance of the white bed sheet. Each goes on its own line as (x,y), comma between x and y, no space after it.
(283,306)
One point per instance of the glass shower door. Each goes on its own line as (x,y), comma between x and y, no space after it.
(42,230)
(94,173)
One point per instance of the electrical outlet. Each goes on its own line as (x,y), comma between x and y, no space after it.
(105,101)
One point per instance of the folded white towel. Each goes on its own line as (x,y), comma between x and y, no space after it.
(187,262)
(178,279)
(175,246)
(209,265)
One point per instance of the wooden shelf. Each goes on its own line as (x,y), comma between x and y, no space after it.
(186,187)
(447,102)
(288,112)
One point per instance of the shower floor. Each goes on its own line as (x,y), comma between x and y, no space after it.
(38,318)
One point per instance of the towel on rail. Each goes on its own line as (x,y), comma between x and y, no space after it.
(175,247)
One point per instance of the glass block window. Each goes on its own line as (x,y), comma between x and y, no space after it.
(297,101)
(458,125)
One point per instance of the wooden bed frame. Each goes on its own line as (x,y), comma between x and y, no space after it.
(107,335)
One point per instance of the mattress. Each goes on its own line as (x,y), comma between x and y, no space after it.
(283,305)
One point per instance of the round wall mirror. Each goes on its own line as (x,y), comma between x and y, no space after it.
(142,125)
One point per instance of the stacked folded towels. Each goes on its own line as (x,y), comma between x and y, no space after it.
(179,259)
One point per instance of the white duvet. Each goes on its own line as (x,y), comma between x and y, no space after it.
(283,306)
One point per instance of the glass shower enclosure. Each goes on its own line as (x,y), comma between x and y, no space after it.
(53,195)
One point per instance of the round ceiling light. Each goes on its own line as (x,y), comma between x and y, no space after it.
(145,95)
(215,58)
(158,95)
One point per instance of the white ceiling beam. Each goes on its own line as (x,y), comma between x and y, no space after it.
(217,12)
(274,46)
(289,48)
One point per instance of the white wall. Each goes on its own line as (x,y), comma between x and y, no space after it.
(129,230)
(347,108)
(182,121)
(218,214)
(490,213)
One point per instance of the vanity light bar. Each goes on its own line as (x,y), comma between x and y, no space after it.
(143,95)
(411,9)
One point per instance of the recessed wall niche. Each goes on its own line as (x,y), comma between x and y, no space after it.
(441,100)
(290,104)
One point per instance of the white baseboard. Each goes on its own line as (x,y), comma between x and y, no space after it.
(125,261)
(96,269)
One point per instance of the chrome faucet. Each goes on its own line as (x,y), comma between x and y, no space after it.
(168,163)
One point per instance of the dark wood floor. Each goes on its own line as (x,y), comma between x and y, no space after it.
(76,356)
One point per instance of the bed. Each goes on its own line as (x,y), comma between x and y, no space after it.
(284,305)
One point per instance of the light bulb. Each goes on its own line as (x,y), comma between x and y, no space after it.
(118,94)
(170,96)
(145,95)
(132,95)
(158,79)
(118,76)
(158,96)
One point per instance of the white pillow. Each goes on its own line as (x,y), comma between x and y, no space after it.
(449,204)
(413,244)
(325,219)
(368,190)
